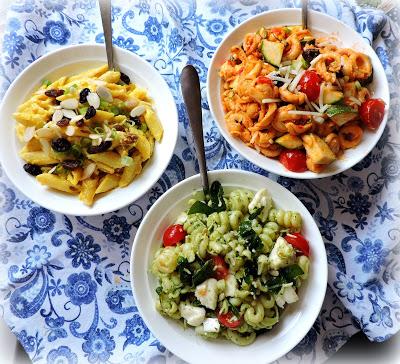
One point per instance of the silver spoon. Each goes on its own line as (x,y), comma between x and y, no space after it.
(105,10)
(190,86)
(304,10)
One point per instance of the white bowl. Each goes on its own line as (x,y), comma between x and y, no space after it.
(296,320)
(69,61)
(318,23)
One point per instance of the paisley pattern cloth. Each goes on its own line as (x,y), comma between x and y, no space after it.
(64,280)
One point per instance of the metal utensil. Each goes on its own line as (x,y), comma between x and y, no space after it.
(304,10)
(105,10)
(190,86)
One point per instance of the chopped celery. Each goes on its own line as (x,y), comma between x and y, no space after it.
(82,110)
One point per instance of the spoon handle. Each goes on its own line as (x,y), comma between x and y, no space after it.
(105,10)
(190,86)
(304,15)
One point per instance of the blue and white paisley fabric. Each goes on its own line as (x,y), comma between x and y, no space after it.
(64,280)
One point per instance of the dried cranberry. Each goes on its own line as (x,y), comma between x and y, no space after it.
(63,122)
(310,53)
(83,95)
(90,112)
(125,78)
(71,164)
(102,147)
(60,145)
(80,123)
(32,169)
(54,93)
(119,127)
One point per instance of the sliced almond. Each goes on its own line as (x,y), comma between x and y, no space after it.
(138,110)
(93,99)
(88,170)
(70,131)
(70,104)
(104,93)
(70,114)
(57,116)
(76,118)
(131,102)
(29,133)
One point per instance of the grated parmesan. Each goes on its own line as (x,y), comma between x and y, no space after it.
(302,112)
(295,81)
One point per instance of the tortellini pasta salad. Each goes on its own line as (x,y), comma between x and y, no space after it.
(88,133)
(230,264)
(298,98)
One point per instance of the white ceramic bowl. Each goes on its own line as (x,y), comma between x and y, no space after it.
(69,61)
(296,320)
(318,23)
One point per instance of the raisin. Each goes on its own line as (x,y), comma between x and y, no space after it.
(125,78)
(102,147)
(71,164)
(90,112)
(61,145)
(83,95)
(310,53)
(58,102)
(63,122)
(80,123)
(119,127)
(32,169)
(278,83)
(54,93)
(135,120)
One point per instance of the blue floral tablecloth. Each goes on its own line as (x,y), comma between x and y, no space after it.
(64,280)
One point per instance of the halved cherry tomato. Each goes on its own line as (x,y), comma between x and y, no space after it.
(263,79)
(372,112)
(310,84)
(299,243)
(220,268)
(228,320)
(294,160)
(173,235)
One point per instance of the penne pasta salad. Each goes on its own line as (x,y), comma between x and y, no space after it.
(87,134)
(229,267)
(298,98)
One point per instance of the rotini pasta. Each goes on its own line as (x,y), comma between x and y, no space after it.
(284,84)
(229,271)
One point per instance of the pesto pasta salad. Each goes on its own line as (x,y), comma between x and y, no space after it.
(231,264)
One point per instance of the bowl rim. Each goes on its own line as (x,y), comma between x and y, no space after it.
(93,211)
(284,172)
(322,267)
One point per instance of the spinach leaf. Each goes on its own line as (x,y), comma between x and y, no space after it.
(205,272)
(286,275)
(217,197)
(199,207)
(291,272)
(185,273)
(246,232)
(255,213)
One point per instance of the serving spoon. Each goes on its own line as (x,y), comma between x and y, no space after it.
(190,86)
(304,16)
(105,11)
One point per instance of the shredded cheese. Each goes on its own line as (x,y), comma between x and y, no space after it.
(315,60)
(267,101)
(302,112)
(295,81)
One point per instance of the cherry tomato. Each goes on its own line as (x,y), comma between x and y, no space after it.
(299,243)
(263,79)
(220,268)
(371,113)
(227,319)
(294,160)
(310,84)
(173,235)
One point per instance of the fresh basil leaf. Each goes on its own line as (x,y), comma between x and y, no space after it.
(185,274)
(291,272)
(275,284)
(205,272)
(217,197)
(199,207)
(246,232)
(159,290)
(255,213)
(196,303)
(234,310)
(245,228)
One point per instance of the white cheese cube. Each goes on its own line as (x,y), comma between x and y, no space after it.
(261,199)
(194,316)
(230,285)
(207,293)
(211,325)
(290,295)
(282,254)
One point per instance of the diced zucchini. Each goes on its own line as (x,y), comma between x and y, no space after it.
(317,149)
(341,114)
(332,96)
(289,141)
(272,52)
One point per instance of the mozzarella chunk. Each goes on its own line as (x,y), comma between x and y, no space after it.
(282,254)
(211,325)
(287,294)
(181,219)
(230,286)
(207,293)
(194,316)
(261,199)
